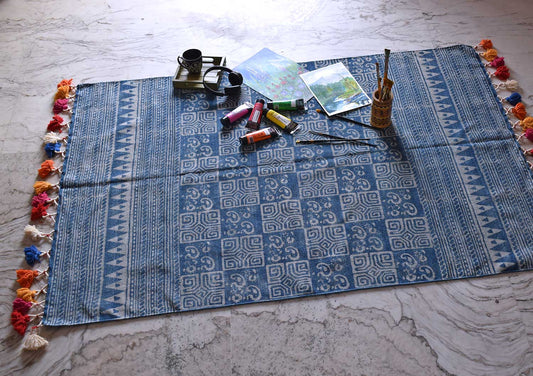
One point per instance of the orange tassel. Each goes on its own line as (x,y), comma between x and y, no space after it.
(25,277)
(65,83)
(41,186)
(62,92)
(490,54)
(519,111)
(47,167)
(26,294)
(486,44)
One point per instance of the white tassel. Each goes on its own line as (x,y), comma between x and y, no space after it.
(52,138)
(34,341)
(34,233)
(511,85)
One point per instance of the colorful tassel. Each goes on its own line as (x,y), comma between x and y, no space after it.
(527,134)
(52,149)
(35,234)
(43,186)
(25,277)
(519,111)
(34,341)
(502,73)
(526,124)
(65,82)
(490,54)
(486,44)
(26,294)
(510,85)
(19,322)
(32,255)
(62,92)
(47,167)
(514,99)
(497,62)
(39,212)
(52,137)
(56,124)
(21,306)
(60,105)
(41,199)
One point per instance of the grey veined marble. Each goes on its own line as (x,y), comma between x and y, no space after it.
(469,327)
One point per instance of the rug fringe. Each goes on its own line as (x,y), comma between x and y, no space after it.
(512,103)
(26,308)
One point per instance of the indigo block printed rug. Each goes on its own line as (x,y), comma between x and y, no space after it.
(161,210)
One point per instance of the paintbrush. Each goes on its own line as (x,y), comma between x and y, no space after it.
(329,142)
(379,79)
(345,119)
(385,70)
(337,137)
(387,87)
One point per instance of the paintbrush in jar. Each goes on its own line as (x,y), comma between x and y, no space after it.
(385,71)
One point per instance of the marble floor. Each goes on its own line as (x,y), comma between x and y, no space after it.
(469,327)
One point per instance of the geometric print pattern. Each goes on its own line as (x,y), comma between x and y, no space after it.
(161,210)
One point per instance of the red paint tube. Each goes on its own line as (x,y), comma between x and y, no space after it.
(260,135)
(254,121)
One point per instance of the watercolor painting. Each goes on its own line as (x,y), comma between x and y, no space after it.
(335,89)
(274,76)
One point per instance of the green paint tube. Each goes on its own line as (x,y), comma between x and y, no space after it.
(293,104)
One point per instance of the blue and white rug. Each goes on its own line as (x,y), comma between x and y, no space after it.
(162,211)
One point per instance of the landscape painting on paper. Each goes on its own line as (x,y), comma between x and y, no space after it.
(274,76)
(335,89)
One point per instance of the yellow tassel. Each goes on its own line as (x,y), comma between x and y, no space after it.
(490,54)
(62,92)
(41,186)
(26,294)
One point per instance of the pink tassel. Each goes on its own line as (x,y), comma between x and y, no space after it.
(60,105)
(527,134)
(497,62)
(22,306)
